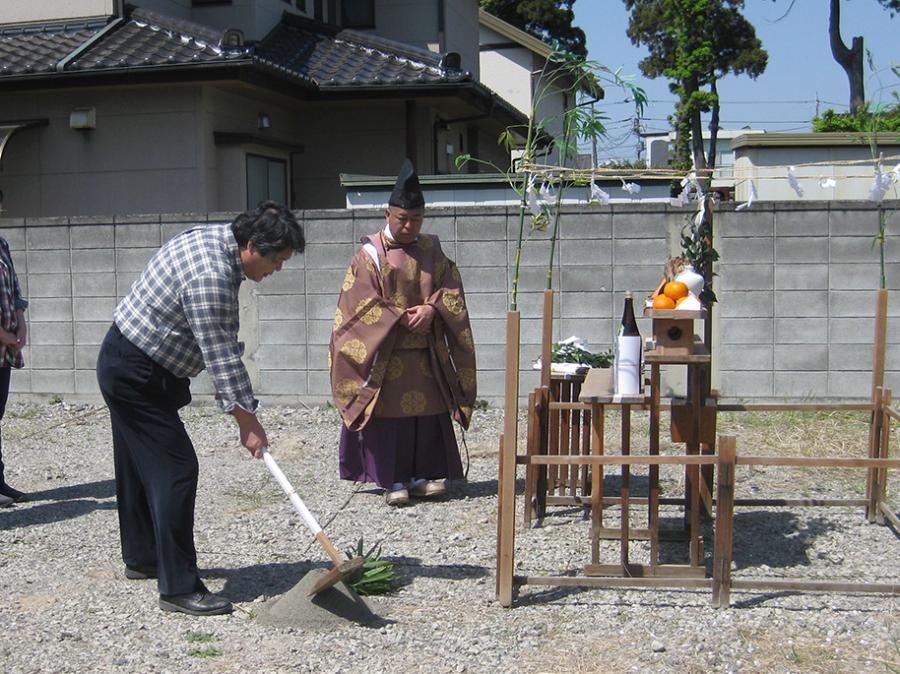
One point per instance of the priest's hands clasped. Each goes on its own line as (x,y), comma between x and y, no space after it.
(418,319)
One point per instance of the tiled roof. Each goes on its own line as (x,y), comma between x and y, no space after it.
(37,49)
(153,39)
(350,58)
(309,53)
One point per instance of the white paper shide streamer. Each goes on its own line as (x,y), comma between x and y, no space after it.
(598,196)
(749,202)
(631,188)
(793,182)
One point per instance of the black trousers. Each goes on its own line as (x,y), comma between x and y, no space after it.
(4,396)
(155,463)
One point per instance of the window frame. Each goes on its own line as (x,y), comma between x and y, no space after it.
(285,163)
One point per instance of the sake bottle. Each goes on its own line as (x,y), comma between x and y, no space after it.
(628,353)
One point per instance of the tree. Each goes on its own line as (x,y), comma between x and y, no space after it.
(545,19)
(694,43)
(852,58)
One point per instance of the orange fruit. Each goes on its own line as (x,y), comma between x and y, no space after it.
(675,290)
(680,300)
(663,302)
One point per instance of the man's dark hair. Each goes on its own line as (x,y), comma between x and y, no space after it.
(271,227)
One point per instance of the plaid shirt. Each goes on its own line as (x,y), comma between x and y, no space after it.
(183,312)
(11,301)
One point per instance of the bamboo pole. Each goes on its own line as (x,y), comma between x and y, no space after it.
(547,338)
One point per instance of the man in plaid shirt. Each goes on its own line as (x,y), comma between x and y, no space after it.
(180,317)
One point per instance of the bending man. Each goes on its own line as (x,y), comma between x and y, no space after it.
(180,317)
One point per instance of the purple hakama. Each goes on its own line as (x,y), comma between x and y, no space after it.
(397,449)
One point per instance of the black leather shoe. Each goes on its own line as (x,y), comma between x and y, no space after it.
(5,501)
(140,572)
(16,495)
(195,603)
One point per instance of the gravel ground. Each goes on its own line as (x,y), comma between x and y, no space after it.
(67,607)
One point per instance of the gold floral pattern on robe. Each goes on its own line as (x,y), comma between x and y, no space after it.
(396,372)
(454,302)
(399,300)
(355,350)
(368,311)
(467,378)
(425,364)
(378,372)
(349,280)
(345,389)
(466,341)
(413,341)
(394,368)
(338,318)
(413,403)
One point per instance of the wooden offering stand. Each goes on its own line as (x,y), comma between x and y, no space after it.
(566,435)
(673,330)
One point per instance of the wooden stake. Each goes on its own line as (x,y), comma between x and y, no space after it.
(507,497)
(879,485)
(877,418)
(723,546)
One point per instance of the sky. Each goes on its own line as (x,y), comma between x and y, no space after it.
(801,78)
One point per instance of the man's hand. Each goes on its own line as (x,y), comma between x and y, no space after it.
(420,318)
(21,331)
(9,339)
(253,435)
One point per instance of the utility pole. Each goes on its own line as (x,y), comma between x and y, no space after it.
(636,130)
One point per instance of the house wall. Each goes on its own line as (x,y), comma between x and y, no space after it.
(795,283)
(177,8)
(507,71)
(254,17)
(26,11)
(57,170)
(461,32)
(350,138)
(413,22)
(765,166)
(226,166)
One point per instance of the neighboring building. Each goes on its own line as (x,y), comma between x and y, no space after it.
(490,189)
(818,159)
(213,105)
(511,63)
(658,148)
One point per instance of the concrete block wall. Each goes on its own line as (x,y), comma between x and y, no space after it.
(795,282)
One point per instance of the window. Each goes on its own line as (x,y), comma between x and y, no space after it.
(301,5)
(358,13)
(202,3)
(317,9)
(266,180)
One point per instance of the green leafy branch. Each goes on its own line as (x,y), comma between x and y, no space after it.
(376,576)
(572,353)
(562,72)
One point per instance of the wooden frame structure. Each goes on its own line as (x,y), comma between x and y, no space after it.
(548,471)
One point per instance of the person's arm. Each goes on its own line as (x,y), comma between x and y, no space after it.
(253,435)
(8,339)
(21,329)
(208,302)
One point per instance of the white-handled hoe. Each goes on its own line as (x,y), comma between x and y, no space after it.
(343,567)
